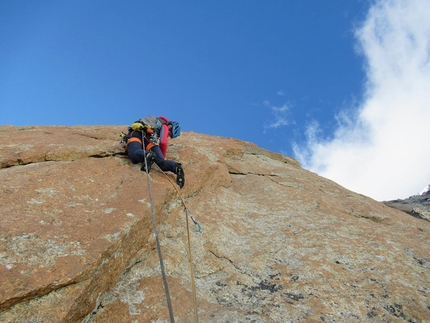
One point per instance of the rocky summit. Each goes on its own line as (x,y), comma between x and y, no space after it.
(416,205)
(278,243)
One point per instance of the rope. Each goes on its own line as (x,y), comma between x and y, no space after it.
(154,222)
(199,229)
(193,286)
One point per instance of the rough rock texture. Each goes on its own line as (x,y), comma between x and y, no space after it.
(279,243)
(416,205)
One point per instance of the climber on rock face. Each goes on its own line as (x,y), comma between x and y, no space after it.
(153,133)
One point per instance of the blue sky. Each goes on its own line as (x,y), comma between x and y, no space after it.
(303,78)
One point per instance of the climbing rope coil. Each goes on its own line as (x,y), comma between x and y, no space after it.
(154,222)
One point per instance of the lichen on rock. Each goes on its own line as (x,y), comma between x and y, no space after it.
(279,243)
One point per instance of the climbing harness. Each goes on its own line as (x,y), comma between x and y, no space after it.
(198,229)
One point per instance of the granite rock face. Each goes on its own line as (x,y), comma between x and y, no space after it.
(416,205)
(279,243)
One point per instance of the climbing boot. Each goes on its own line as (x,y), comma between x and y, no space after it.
(150,158)
(180,176)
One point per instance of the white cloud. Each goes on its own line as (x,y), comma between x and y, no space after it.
(280,115)
(383,151)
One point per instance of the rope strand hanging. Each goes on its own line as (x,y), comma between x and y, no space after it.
(198,229)
(154,223)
